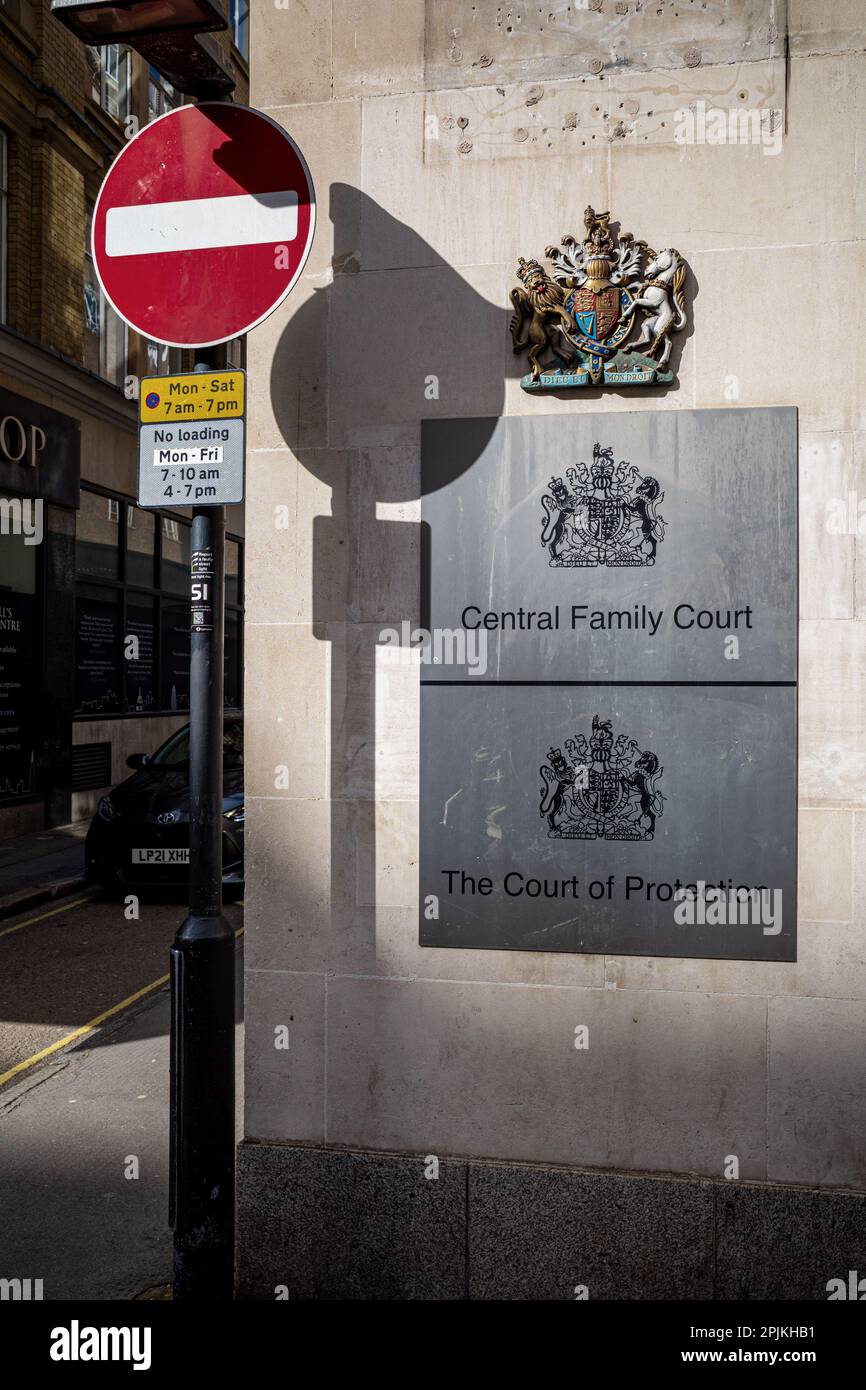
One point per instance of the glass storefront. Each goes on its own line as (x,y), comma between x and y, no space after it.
(132,610)
(20,652)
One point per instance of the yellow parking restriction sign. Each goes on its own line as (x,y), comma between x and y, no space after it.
(216,395)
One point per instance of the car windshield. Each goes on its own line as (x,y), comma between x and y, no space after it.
(175,752)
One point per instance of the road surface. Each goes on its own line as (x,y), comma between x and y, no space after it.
(84,1016)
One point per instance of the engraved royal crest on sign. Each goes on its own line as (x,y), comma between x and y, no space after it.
(601,788)
(607,311)
(604,514)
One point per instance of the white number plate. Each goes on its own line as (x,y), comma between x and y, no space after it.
(160,856)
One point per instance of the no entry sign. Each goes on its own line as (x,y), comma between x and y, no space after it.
(203,223)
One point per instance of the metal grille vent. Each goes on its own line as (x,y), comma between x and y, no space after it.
(91,766)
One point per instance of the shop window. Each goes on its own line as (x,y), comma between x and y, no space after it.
(97,549)
(175,557)
(140,658)
(20,648)
(98,687)
(140,546)
(174,655)
(232,664)
(233,573)
(132,610)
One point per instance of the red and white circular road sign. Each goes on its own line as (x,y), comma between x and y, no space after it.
(203,224)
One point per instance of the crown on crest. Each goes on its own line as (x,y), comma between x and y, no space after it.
(602,463)
(529,270)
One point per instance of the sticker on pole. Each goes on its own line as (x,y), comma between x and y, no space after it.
(203,224)
(191,439)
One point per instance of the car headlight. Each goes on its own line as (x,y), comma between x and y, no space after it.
(106,810)
(236,816)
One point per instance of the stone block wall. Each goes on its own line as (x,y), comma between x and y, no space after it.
(445,140)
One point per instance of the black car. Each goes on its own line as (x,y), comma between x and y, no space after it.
(139,836)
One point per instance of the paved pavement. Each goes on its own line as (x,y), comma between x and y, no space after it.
(72,1123)
(35,868)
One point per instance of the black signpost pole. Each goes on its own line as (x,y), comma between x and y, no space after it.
(203,963)
(202,1119)
(202,1124)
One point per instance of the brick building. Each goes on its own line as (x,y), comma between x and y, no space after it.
(81,567)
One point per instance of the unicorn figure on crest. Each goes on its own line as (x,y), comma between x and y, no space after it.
(663,300)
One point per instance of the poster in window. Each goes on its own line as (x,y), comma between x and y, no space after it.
(98,677)
(231,677)
(18,707)
(138,654)
(175,655)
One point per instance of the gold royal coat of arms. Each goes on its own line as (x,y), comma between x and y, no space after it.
(598,295)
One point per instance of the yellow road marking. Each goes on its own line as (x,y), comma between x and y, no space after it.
(88,1027)
(41,918)
(80,1032)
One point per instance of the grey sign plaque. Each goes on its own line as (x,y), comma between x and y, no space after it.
(642,820)
(654,546)
(608,704)
(195,463)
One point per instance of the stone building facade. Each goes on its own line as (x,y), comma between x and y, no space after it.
(431,1131)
